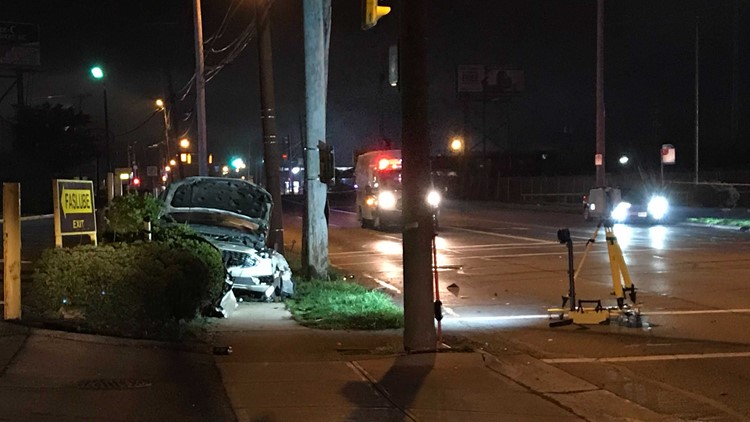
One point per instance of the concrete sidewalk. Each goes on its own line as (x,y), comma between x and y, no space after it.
(279,371)
(56,376)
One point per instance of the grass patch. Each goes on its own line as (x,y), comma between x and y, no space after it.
(733,222)
(342,305)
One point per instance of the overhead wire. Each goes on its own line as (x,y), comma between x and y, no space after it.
(143,123)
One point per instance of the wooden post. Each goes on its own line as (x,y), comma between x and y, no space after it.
(12,250)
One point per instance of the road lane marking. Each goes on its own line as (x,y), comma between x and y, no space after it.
(699,312)
(384,284)
(463,249)
(508,236)
(500,318)
(645,314)
(651,358)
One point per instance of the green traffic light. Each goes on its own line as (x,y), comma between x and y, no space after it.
(237,163)
(97,72)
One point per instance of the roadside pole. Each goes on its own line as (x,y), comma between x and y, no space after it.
(200,90)
(268,121)
(12,250)
(317,30)
(419,325)
(601,173)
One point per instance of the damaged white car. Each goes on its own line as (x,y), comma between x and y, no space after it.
(233,215)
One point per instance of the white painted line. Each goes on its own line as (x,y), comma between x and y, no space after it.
(652,358)
(449,311)
(343,212)
(385,284)
(700,312)
(508,236)
(500,318)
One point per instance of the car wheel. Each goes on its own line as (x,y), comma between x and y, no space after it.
(586,214)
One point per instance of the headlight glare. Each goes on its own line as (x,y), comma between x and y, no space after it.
(620,213)
(387,200)
(433,198)
(658,207)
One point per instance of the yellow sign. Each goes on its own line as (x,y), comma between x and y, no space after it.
(76,201)
(75,210)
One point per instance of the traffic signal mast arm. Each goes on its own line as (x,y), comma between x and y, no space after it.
(371,12)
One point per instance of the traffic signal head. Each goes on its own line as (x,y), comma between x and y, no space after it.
(327,162)
(371,12)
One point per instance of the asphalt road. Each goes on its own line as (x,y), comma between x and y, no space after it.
(505,268)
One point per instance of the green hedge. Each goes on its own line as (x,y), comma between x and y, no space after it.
(130,288)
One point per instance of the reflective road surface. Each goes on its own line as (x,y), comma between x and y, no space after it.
(501,269)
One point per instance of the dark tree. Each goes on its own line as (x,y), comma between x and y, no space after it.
(56,138)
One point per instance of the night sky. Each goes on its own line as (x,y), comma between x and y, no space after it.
(649,74)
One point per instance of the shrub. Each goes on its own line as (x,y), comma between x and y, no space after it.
(130,289)
(124,217)
(716,195)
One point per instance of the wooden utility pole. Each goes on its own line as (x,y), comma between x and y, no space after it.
(200,91)
(697,97)
(317,30)
(271,152)
(601,175)
(419,325)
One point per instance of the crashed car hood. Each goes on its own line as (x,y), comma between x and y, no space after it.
(218,201)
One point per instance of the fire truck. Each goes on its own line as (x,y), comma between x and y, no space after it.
(378,185)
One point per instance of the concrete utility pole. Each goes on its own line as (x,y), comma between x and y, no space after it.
(268,120)
(419,329)
(317,30)
(200,91)
(600,112)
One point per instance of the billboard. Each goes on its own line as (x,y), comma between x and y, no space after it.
(489,81)
(19,45)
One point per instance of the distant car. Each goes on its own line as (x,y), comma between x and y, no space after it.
(233,215)
(641,204)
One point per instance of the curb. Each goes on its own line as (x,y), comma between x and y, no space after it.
(116,341)
(574,394)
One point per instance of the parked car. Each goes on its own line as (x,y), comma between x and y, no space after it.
(234,215)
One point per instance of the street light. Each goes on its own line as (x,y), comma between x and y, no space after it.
(457,145)
(98,74)
(624,160)
(184,143)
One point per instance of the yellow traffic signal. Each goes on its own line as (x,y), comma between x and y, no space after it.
(371,12)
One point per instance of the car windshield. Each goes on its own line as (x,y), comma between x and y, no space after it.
(639,194)
(389,179)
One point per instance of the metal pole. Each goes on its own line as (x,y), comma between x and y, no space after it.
(571,277)
(200,91)
(12,250)
(419,327)
(697,95)
(268,120)
(600,113)
(106,129)
(317,29)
